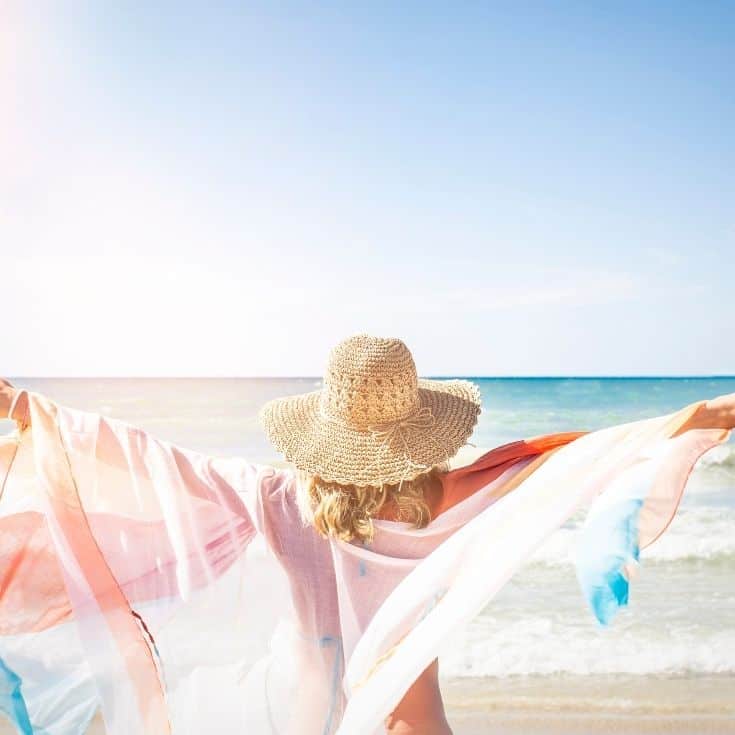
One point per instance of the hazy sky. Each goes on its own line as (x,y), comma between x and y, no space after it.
(511,188)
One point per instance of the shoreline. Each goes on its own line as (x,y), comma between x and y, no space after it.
(674,695)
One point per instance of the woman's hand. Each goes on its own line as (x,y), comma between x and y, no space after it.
(718,413)
(721,411)
(8,393)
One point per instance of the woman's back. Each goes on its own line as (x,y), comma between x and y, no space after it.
(336,587)
(422,709)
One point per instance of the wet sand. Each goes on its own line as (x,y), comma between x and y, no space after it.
(555,724)
(579,705)
(572,705)
(549,723)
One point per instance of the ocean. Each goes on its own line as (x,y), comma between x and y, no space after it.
(680,623)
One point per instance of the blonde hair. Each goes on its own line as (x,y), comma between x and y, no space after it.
(346,512)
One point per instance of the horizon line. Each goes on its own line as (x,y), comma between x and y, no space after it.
(559,376)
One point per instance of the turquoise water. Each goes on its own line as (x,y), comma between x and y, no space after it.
(516,407)
(681,619)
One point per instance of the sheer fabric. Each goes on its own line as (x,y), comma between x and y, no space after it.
(180,593)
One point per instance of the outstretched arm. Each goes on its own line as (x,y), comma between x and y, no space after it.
(119,446)
(126,534)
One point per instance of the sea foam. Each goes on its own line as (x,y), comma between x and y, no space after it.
(704,533)
(542,646)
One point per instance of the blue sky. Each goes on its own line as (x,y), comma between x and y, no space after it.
(513,189)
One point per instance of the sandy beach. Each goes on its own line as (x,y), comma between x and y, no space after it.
(592,704)
(575,705)
(479,723)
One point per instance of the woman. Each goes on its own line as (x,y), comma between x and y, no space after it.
(136,562)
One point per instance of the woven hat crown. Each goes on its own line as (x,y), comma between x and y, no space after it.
(369,381)
(373,421)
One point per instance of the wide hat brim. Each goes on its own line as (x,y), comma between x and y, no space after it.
(340,453)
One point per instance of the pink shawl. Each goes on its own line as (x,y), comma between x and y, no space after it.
(181,593)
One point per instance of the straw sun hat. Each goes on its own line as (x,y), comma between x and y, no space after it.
(374,421)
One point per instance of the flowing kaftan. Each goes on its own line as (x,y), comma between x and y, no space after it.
(179,593)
